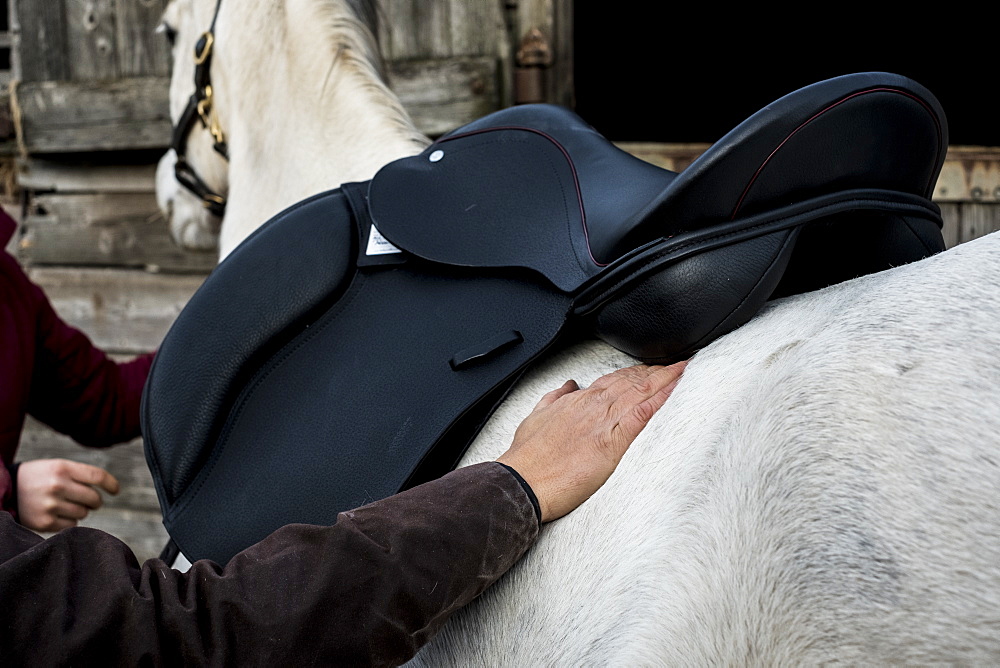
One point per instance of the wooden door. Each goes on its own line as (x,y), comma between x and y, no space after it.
(91,75)
(452,61)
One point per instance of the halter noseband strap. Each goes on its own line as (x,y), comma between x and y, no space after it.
(200,108)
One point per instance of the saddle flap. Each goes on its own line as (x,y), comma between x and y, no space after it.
(365,400)
(532,186)
(501,198)
(285,271)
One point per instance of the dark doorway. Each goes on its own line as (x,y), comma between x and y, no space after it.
(671,76)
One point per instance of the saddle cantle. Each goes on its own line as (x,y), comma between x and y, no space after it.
(355,344)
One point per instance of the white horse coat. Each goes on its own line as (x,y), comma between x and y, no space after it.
(822,486)
(299,97)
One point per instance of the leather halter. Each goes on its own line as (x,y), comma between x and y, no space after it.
(200,108)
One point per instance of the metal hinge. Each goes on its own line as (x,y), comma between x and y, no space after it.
(533,58)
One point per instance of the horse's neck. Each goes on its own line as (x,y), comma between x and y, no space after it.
(305,126)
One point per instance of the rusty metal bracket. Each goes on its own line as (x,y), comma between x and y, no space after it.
(533,58)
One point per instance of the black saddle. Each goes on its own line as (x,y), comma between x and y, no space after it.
(356,343)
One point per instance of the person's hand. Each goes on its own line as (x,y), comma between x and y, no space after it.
(53,494)
(572,441)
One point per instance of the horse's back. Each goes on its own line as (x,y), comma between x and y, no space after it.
(822,486)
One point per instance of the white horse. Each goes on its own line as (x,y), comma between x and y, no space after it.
(300,116)
(822,486)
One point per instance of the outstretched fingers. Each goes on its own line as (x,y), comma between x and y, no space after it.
(640,404)
(635,399)
(550,397)
(573,440)
(617,381)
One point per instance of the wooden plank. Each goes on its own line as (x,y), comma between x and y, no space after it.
(561,84)
(554,18)
(104,229)
(133,113)
(432,31)
(13,208)
(67,177)
(94,115)
(142,243)
(952,216)
(93,208)
(415,29)
(43,50)
(477,28)
(123,311)
(90,39)
(970,173)
(141,51)
(441,95)
(15,39)
(978,219)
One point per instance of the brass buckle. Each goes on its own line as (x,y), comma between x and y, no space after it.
(205,107)
(208,199)
(208,118)
(216,131)
(200,58)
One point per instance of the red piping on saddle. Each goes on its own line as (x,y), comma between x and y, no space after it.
(569,160)
(760,169)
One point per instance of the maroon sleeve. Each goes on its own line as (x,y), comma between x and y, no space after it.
(369,590)
(77,390)
(8,492)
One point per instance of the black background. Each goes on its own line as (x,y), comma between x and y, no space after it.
(693,75)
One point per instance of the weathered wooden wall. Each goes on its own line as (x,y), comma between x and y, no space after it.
(93,75)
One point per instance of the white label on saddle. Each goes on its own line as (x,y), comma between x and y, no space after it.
(379,245)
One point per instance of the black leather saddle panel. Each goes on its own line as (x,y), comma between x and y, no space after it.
(359,411)
(335,372)
(235,320)
(356,343)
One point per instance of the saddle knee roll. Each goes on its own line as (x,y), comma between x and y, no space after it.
(667,316)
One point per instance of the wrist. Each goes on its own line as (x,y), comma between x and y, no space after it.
(527,490)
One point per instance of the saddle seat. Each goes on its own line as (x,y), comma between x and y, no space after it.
(355,344)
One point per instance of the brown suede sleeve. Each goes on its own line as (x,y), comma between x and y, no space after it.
(369,590)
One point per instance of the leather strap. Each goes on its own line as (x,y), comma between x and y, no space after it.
(199,108)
